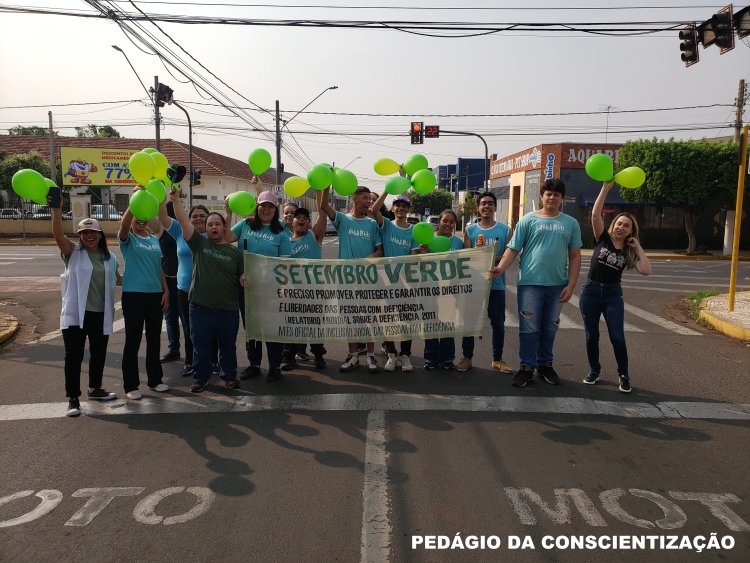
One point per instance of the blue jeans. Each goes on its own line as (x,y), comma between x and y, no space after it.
(172,316)
(496,313)
(207,324)
(439,351)
(539,309)
(599,299)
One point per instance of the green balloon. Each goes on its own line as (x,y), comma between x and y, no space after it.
(50,183)
(149,150)
(344,182)
(599,167)
(30,184)
(423,181)
(439,244)
(141,167)
(157,188)
(631,177)
(423,233)
(397,185)
(259,161)
(242,203)
(320,176)
(161,165)
(415,164)
(143,205)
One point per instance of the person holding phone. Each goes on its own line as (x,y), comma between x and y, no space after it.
(616,249)
(88,303)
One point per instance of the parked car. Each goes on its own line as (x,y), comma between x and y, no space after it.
(11,214)
(330,229)
(434,220)
(41,212)
(97,212)
(412,220)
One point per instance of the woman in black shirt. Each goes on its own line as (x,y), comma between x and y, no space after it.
(601,294)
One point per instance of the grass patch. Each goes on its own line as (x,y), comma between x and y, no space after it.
(694,301)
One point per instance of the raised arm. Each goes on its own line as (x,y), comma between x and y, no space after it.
(125,223)
(164,219)
(376,214)
(319,228)
(325,205)
(181,215)
(63,243)
(643,265)
(229,236)
(597,223)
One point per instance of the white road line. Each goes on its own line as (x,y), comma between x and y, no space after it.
(669,325)
(18,256)
(354,402)
(376,529)
(6,263)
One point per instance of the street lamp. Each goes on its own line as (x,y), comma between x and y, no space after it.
(279,165)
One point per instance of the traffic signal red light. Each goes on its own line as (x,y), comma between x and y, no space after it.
(417,132)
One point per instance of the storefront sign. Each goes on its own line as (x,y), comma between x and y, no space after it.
(575,156)
(517,163)
(98,167)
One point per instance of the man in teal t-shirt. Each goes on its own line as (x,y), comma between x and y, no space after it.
(547,275)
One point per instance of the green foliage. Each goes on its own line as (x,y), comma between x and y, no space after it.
(95,131)
(469,206)
(33,130)
(13,163)
(436,201)
(694,301)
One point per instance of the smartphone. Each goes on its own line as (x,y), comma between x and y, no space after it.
(54,197)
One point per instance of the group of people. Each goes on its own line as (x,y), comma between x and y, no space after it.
(203,286)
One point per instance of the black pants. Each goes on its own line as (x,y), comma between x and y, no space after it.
(139,310)
(185,319)
(390,347)
(74,338)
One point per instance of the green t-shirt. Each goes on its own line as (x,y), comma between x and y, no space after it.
(216,273)
(95,298)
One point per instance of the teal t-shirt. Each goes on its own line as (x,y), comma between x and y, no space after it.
(495,235)
(263,241)
(358,238)
(142,256)
(397,241)
(306,247)
(544,243)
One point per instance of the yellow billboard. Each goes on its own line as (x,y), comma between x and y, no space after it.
(96,167)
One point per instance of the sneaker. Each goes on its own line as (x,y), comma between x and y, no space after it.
(288,365)
(232,383)
(198,386)
(448,366)
(625,384)
(187,370)
(320,362)
(501,366)
(274,374)
(135,395)
(549,374)
(429,366)
(249,372)
(591,378)
(170,356)
(216,369)
(383,349)
(464,364)
(101,395)
(74,407)
(161,388)
(390,364)
(523,377)
(405,363)
(303,357)
(372,363)
(351,362)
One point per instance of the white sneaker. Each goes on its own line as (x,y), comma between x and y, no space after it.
(161,388)
(405,363)
(383,349)
(372,363)
(390,365)
(134,395)
(351,362)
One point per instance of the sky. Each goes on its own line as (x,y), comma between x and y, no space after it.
(49,60)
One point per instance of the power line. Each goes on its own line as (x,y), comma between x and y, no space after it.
(72,104)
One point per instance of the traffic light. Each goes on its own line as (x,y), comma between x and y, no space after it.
(164,95)
(719,30)
(689,45)
(742,22)
(417,132)
(195,177)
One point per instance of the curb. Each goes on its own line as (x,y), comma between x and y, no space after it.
(723,326)
(8,326)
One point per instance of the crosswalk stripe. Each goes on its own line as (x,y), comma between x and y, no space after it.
(674,327)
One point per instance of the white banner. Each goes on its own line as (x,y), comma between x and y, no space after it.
(367,300)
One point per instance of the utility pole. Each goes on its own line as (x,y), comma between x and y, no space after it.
(157,117)
(52,167)
(740,104)
(278,145)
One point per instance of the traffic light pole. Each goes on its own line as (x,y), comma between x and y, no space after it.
(190,154)
(486,152)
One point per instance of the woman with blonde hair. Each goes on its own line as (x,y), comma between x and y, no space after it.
(616,250)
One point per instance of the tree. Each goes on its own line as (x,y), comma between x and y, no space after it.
(683,174)
(13,163)
(95,131)
(469,206)
(33,130)
(436,201)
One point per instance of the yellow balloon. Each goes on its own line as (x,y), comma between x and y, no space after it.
(386,167)
(296,186)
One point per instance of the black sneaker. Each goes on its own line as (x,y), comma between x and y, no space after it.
(448,366)
(302,357)
(288,365)
(274,374)
(74,407)
(549,374)
(591,378)
(232,383)
(429,366)
(320,362)
(216,369)
(101,395)
(198,386)
(249,372)
(523,377)
(625,384)
(170,356)
(187,371)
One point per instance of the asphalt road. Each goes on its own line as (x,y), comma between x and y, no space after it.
(330,466)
